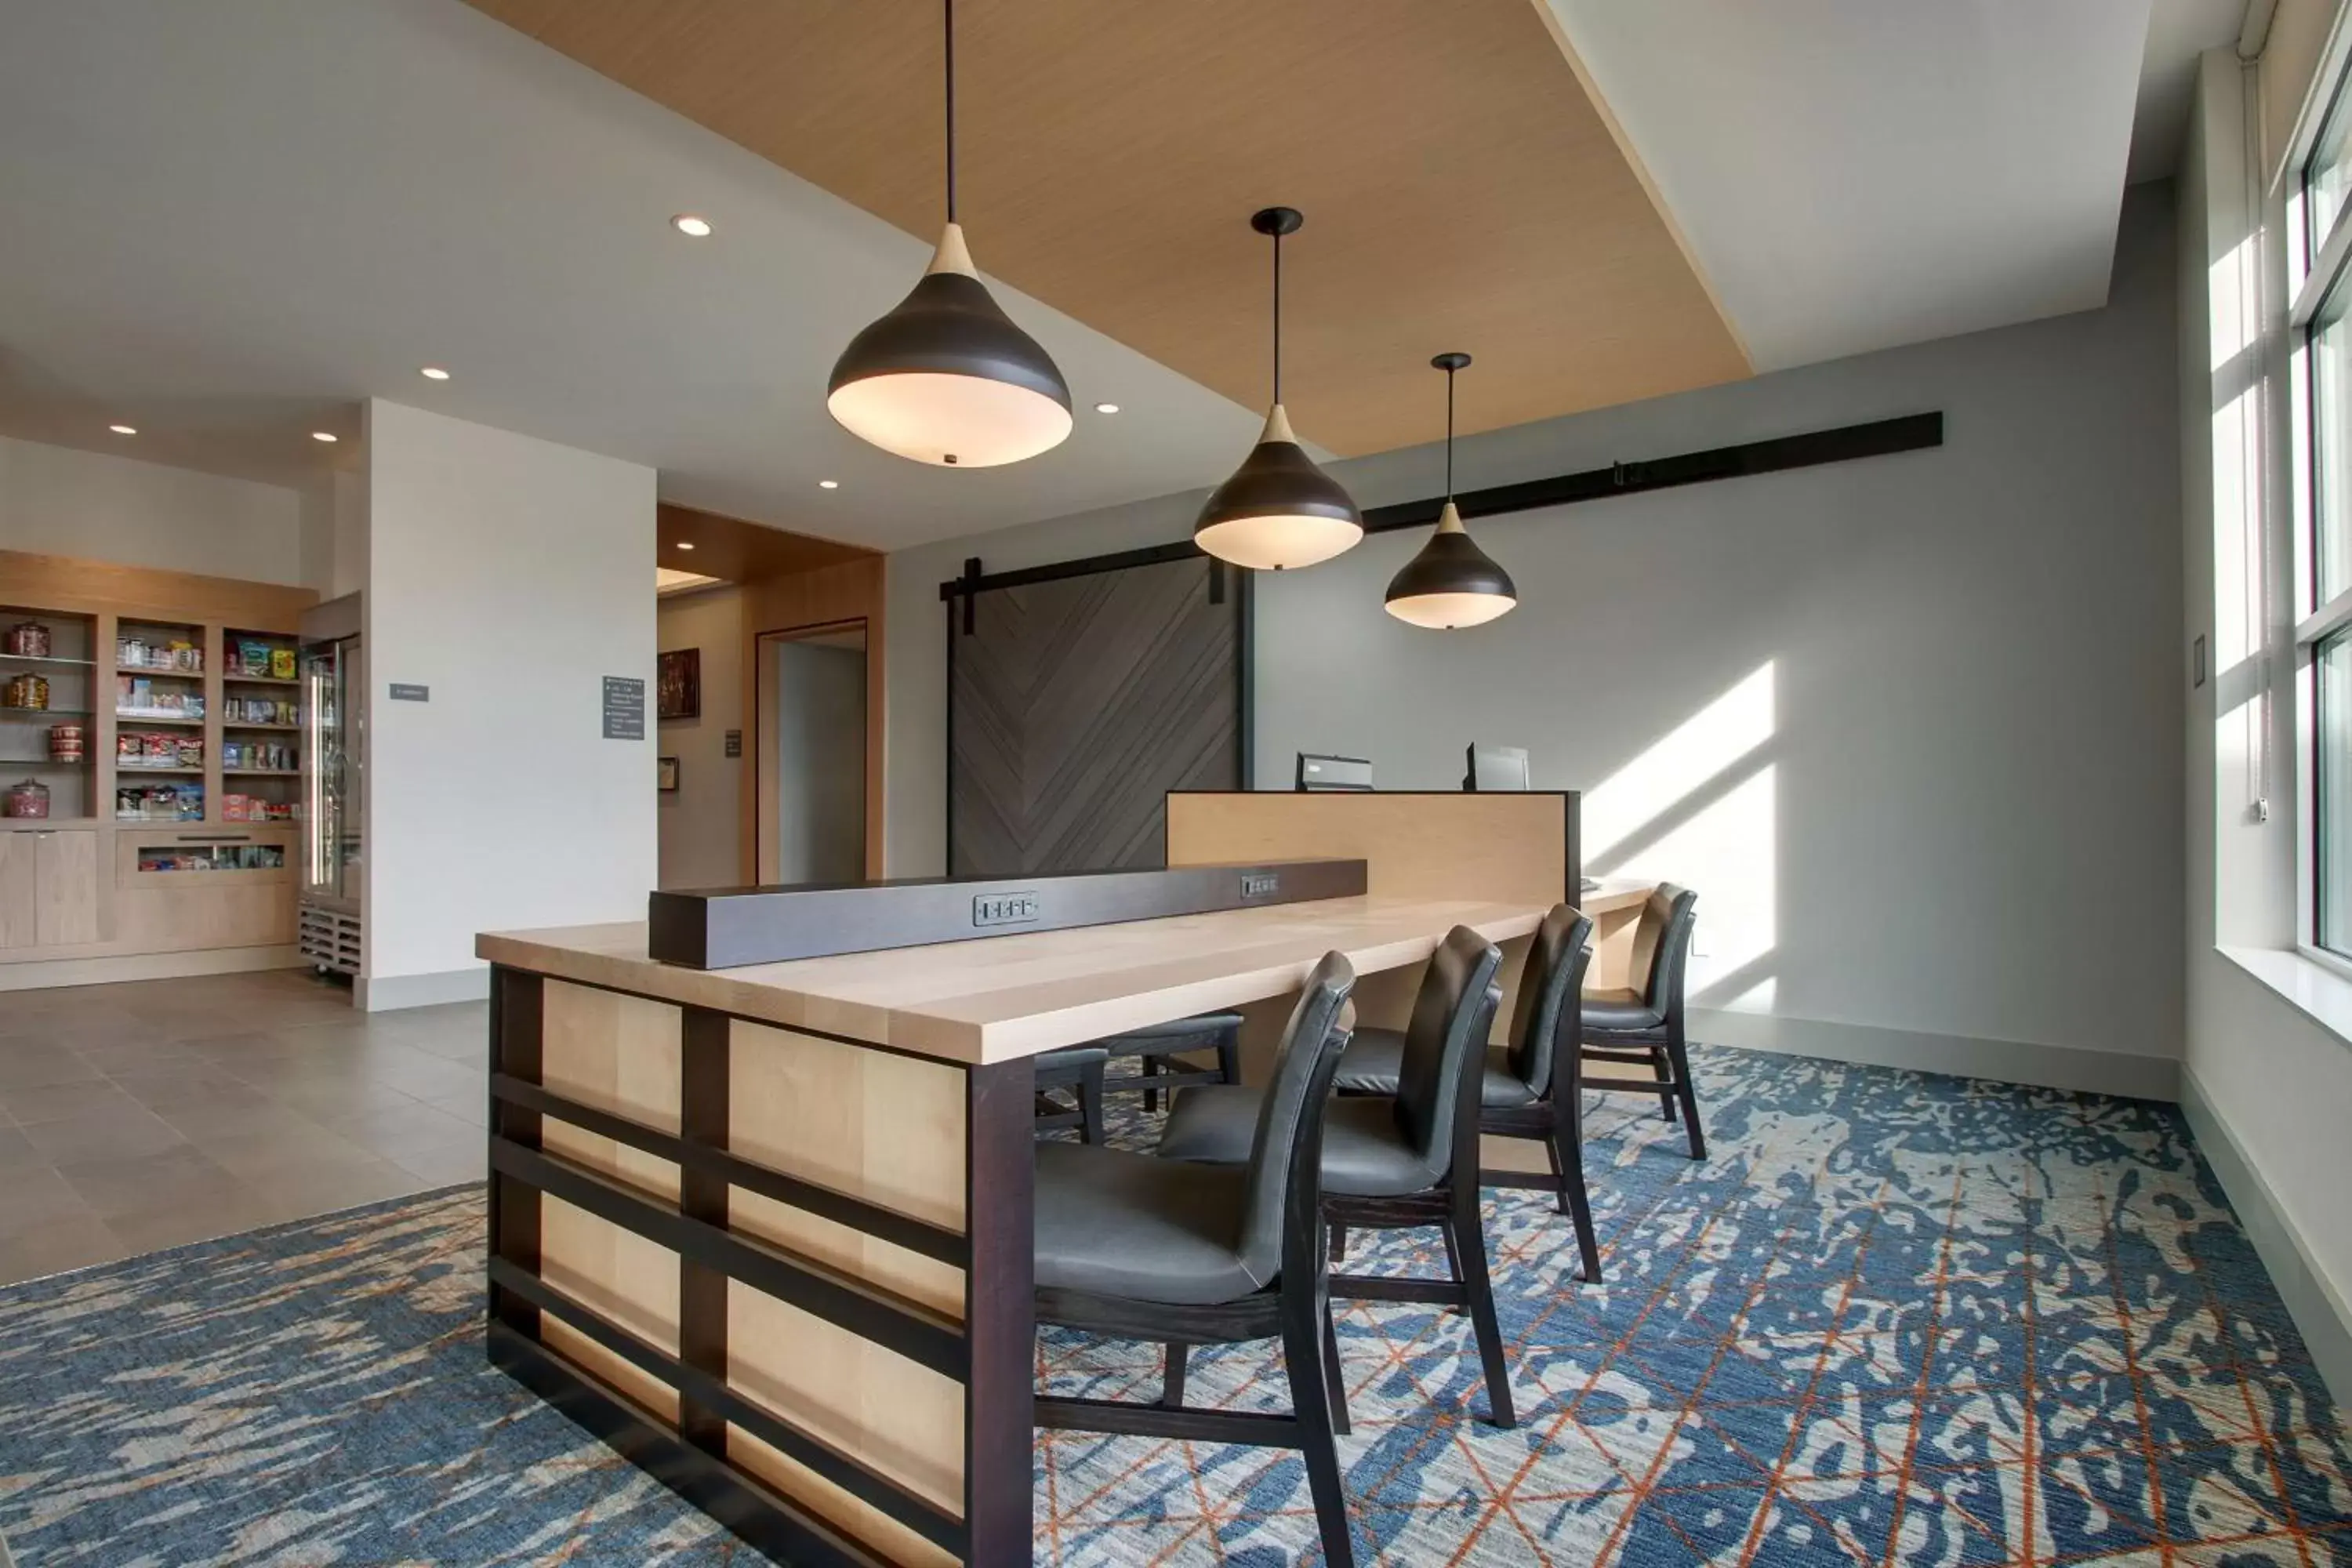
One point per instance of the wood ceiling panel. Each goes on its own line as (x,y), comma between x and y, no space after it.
(1462,190)
(734,550)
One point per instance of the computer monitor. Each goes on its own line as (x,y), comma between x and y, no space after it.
(1496,770)
(1318,772)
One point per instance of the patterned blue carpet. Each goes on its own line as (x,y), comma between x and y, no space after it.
(1894,1319)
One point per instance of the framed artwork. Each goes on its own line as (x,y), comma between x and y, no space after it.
(669,775)
(678,693)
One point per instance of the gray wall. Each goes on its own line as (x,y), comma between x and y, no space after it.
(818,731)
(701,823)
(1910,725)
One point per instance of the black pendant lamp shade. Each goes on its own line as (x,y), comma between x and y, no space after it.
(946,377)
(1451,582)
(1278,511)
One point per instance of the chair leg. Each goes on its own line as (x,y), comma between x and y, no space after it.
(1663,1067)
(1302,1356)
(1172,1380)
(1339,1253)
(1471,1269)
(1334,1378)
(1149,1067)
(1090,1103)
(1229,1055)
(1679,1052)
(1566,1146)
(1453,1260)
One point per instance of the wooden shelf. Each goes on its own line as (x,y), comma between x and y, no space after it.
(50,763)
(46,658)
(33,715)
(261,773)
(132,770)
(179,718)
(46,824)
(262,679)
(241,724)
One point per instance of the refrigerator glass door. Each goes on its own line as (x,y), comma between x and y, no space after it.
(330,805)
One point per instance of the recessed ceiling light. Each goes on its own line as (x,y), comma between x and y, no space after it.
(124,429)
(828,484)
(691,226)
(1105,407)
(327,435)
(685,544)
(434,373)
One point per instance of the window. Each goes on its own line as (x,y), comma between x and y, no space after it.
(2321,240)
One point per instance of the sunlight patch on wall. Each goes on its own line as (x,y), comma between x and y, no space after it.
(1729,854)
(1701,748)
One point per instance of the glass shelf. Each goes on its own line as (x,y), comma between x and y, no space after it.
(48,658)
(261,679)
(261,773)
(196,723)
(33,715)
(241,724)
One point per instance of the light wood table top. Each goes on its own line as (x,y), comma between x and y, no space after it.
(996,998)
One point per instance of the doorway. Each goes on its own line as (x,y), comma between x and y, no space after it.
(811,730)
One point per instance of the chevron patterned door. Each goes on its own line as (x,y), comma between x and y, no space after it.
(1075,706)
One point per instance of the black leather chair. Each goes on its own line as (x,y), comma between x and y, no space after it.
(1138,1247)
(1160,1045)
(1530,1088)
(1644,1026)
(1406,1159)
(1078,1072)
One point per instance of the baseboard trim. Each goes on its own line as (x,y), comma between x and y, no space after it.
(390,993)
(1963,1056)
(2322,1317)
(43,974)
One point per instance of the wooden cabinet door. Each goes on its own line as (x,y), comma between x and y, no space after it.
(20,888)
(66,876)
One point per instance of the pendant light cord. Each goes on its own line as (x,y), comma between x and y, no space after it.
(948,10)
(1449,435)
(1277,318)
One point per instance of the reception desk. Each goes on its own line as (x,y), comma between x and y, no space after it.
(767,1229)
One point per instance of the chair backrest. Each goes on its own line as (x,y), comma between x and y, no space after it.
(1446,1033)
(1547,1018)
(1662,944)
(1288,1145)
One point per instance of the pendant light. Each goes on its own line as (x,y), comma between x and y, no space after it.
(1451,582)
(946,377)
(1278,510)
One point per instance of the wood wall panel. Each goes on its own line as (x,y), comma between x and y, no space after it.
(1075,706)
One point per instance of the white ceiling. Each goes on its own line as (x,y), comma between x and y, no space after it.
(228,223)
(1853,175)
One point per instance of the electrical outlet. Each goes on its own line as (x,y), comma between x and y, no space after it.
(1260,885)
(1003,908)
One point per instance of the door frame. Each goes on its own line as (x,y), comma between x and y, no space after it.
(762,675)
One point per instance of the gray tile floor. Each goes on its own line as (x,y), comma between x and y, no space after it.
(137,1117)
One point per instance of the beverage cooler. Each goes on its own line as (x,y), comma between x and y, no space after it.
(335,864)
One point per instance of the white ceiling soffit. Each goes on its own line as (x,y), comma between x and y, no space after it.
(1852,175)
(228,223)
(2178,32)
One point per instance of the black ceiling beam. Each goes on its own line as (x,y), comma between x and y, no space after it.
(1877,439)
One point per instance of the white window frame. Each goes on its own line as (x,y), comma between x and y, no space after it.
(2316,267)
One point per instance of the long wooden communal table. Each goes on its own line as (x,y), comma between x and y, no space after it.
(767,1229)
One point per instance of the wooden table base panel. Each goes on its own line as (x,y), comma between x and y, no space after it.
(787,1274)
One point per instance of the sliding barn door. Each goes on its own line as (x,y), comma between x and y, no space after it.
(1076,705)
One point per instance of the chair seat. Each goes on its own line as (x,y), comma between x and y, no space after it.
(1118,1224)
(1364,1154)
(1620,1011)
(1173,1029)
(1372,1064)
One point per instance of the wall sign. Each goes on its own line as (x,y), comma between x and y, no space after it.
(405,693)
(734,742)
(625,707)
